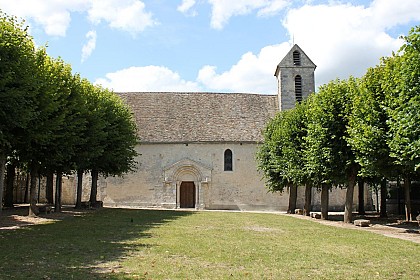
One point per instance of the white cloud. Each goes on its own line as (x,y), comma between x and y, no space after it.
(253,73)
(388,13)
(126,15)
(343,39)
(223,10)
(273,7)
(186,7)
(55,16)
(148,78)
(90,46)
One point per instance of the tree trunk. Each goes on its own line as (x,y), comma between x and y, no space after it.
(361,185)
(384,193)
(79,188)
(2,169)
(94,188)
(324,201)
(308,200)
(292,198)
(58,188)
(39,188)
(49,190)
(10,179)
(407,198)
(28,179)
(33,197)
(348,206)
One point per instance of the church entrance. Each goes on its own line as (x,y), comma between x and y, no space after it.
(187,195)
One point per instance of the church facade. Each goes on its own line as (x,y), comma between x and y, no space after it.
(198,150)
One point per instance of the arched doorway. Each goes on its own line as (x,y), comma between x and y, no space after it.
(187,194)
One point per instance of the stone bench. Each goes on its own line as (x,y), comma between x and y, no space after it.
(362,223)
(47,209)
(299,211)
(315,215)
(89,205)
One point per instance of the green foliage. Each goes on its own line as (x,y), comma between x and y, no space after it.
(383,126)
(368,129)
(329,160)
(371,124)
(280,156)
(17,77)
(268,154)
(52,133)
(404,105)
(93,134)
(53,119)
(121,136)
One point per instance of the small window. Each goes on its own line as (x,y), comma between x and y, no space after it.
(298,88)
(228,160)
(296,58)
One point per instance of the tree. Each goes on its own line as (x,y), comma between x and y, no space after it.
(404,111)
(329,160)
(369,132)
(10,179)
(294,131)
(53,132)
(270,155)
(119,144)
(270,159)
(93,135)
(54,121)
(16,85)
(280,156)
(68,138)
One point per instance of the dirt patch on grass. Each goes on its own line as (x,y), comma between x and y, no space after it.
(261,229)
(17,217)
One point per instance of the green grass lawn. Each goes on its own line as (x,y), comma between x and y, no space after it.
(147,244)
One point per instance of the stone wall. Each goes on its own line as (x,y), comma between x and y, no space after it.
(162,167)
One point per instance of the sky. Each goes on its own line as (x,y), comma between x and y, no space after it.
(213,45)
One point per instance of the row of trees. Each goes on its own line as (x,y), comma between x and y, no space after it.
(353,129)
(55,122)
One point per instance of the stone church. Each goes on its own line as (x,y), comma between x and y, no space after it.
(198,150)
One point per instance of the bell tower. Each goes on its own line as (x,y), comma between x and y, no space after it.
(295,78)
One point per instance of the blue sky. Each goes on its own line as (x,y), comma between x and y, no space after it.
(213,45)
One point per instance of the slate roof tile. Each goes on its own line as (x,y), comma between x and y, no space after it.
(168,117)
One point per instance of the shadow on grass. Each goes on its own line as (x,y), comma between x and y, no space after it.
(78,248)
(17,217)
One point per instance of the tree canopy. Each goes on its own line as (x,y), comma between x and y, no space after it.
(52,119)
(364,127)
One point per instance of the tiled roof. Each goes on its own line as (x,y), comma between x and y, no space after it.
(200,117)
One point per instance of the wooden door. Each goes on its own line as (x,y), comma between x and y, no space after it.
(187,195)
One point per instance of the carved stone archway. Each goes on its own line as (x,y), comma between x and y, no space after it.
(187,170)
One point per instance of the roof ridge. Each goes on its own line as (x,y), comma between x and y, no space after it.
(193,92)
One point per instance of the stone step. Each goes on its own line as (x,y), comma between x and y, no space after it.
(362,223)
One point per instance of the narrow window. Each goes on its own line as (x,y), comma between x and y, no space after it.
(228,160)
(296,58)
(298,88)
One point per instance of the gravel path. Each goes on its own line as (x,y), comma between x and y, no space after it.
(392,226)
